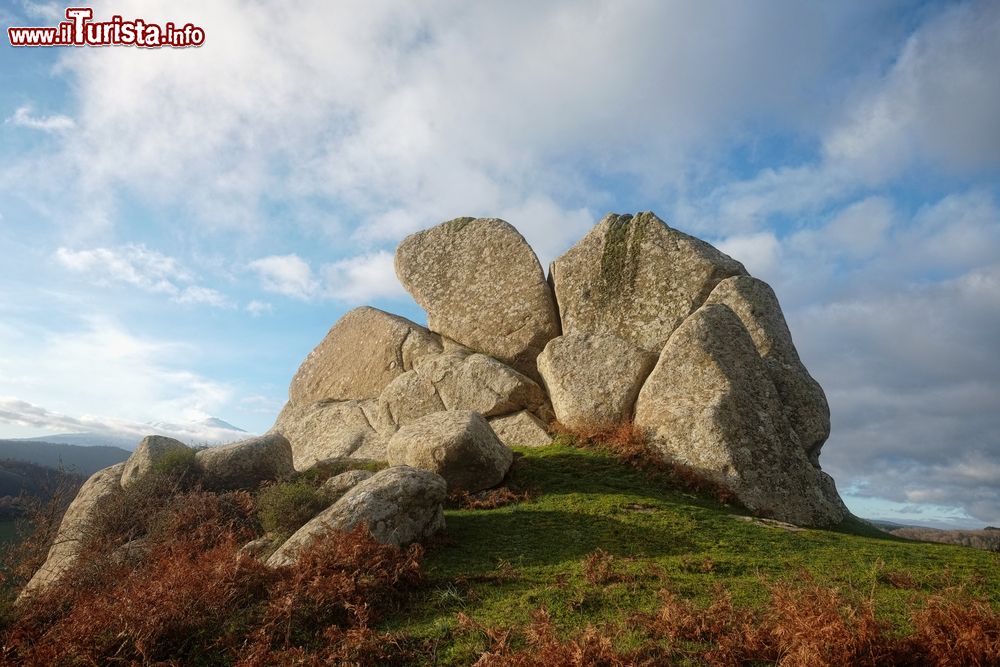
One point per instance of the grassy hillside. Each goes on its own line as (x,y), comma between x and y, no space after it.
(580,560)
(498,566)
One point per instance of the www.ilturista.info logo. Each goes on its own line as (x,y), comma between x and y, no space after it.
(80,30)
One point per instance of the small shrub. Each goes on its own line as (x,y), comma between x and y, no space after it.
(285,507)
(488,499)
(178,464)
(952,631)
(328,600)
(598,568)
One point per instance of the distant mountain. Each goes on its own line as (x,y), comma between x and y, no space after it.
(84,460)
(88,440)
(210,431)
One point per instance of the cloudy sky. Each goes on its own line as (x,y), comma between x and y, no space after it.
(178,228)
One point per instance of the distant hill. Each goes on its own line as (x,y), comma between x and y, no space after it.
(20,478)
(71,458)
(987,539)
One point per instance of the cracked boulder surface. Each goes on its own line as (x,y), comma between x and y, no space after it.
(362,353)
(461,381)
(334,429)
(634,277)
(482,286)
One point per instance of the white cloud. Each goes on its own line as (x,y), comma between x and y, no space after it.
(140,267)
(286,274)
(940,100)
(352,280)
(202,295)
(50,11)
(428,112)
(131,264)
(58,123)
(22,413)
(362,278)
(257,308)
(759,253)
(97,365)
(936,106)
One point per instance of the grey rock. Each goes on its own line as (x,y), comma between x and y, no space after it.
(482,287)
(521,429)
(330,429)
(257,548)
(399,505)
(460,446)
(461,381)
(245,464)
(338,485)
(636,278)
(409,397)
(151,450)
(73,530)
(362,353)
(710,403)
(806,408)
(593,379)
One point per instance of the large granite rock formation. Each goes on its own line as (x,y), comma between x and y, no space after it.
(657,328)
(482,286)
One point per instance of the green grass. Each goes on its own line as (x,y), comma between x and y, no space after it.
(498,566)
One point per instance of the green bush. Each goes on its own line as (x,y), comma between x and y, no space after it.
(178,464)
(283,508)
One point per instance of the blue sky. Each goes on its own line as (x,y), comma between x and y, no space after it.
(178,228)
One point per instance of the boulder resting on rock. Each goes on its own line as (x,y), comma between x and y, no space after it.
(151,450)
(362,353)
(459,446)
(459,380)
(332,429)
(482,286)
(79,518)
(245,464)
(399,505)
(593,379)
(521,429)
(805,405)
